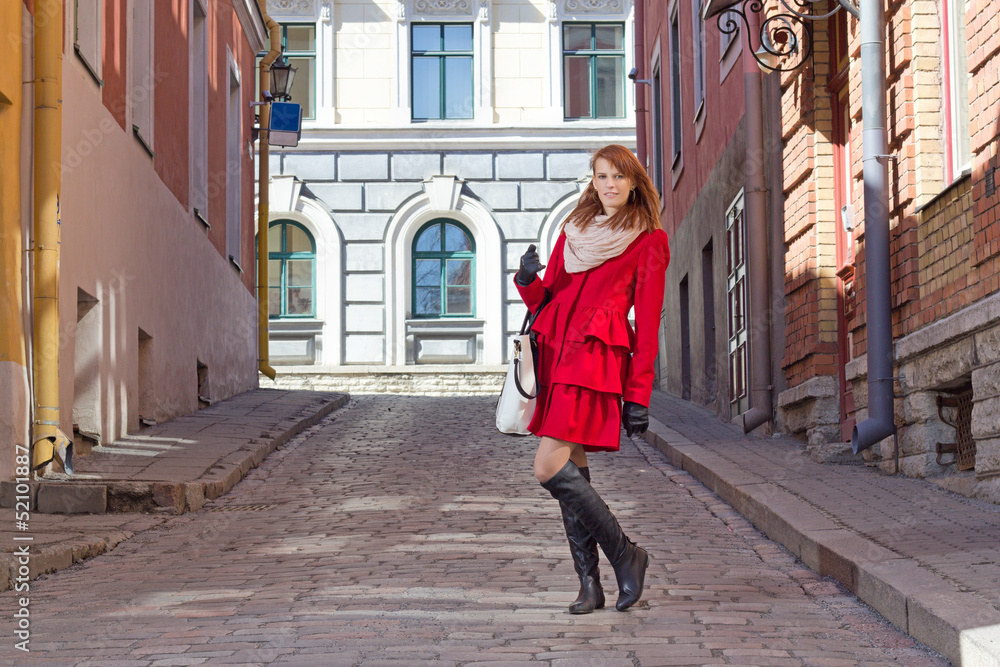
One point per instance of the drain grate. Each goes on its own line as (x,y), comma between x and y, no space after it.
(964,450)
(241,508)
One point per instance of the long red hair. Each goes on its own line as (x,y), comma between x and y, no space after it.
(643,206)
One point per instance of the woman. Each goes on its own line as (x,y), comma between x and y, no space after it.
(594,370)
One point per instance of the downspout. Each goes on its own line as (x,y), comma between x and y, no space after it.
(755,196)
(640,92)
(263,188)
(14,388)
(878,295)
(48,440)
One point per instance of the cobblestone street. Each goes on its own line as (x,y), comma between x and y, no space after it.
(407,531)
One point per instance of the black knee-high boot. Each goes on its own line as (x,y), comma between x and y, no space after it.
(629,561)
(583,547)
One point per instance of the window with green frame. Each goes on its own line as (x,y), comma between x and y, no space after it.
(298,45)
(441,70)
(444,270)
(291,271)
(593,70)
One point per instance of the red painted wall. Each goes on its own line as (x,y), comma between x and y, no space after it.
(170,99)
(723,105)
(171,105)
(114,66)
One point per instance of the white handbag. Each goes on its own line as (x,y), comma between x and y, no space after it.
(516,405)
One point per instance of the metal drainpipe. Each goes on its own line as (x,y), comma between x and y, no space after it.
(13,355)
(755,196)
(48,440)
(878,308)
(640,92)
(263,186)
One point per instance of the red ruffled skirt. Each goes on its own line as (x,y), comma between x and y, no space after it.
(578,414)
(573,402)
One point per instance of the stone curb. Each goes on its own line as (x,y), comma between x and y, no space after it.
(959,625)
(59,556)
(166,497)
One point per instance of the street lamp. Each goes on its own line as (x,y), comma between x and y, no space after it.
(282,76)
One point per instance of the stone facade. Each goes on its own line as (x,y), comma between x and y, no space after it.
(365,179)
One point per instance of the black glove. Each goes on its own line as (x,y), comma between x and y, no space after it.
(635,418)
(530,266)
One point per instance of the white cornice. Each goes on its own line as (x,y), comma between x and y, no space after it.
(579,137)
(252,22)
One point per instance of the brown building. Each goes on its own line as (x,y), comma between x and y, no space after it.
(941,65)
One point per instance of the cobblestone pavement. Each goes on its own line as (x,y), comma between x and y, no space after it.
(406,531)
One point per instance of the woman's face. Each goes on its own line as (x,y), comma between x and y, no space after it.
(612,186)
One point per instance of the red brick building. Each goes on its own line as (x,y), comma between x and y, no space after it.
(942,59)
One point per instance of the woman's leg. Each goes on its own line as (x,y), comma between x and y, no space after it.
(569,487)
(553,454)
(551,457)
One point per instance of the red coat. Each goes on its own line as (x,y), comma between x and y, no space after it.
(590,358)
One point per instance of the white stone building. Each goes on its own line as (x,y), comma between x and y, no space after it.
(441,138)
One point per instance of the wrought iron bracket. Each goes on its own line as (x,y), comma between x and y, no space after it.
(778,38)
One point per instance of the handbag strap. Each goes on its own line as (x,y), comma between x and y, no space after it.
(529,317)
(529,321)
(517,381)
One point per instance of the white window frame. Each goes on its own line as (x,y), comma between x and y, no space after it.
(88,35)
(698,41)
(482,63)
(955,91)
(234,162)
(198,111)
(730,47)
(676,76)
(142,71)
(656,121)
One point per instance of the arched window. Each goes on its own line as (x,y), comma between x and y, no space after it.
(444,269)
(291,272)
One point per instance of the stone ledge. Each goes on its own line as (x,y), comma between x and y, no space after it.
(822,386)
(964,323)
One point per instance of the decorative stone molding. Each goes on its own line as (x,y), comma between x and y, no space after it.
(594,6)
(284,193)
(326,12)
(484,11)
(442,8)
(293,8)
(443,192)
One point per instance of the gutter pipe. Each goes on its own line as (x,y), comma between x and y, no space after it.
(14,387)
(878,297)
(263,187)
(761,410)
(640,92)
(48,441)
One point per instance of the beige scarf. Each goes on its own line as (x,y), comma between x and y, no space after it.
(589,248)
